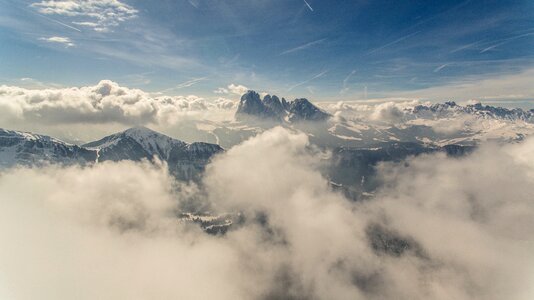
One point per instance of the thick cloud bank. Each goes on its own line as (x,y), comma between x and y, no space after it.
(106,102)
(440,228)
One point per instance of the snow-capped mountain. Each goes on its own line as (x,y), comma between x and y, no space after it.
(429,124)
(24,148)
(450,109)
(135,144)
(357,137)
(271,107)
(363,125)
(185,160)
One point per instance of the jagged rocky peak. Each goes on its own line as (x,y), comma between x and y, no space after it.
(285,104)
(271,107)
(251,104)
(274,104)
(303,110)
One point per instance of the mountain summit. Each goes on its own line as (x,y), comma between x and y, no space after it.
(186,161)
(271,107)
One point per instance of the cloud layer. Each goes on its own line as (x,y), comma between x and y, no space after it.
(105,102)
(440,228)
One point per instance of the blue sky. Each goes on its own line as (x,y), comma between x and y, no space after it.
(317,49)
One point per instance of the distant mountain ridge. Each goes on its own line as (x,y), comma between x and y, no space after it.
(450,108)
(24,148)
(272,108)
(185,161)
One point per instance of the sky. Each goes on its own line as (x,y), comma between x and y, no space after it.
(322,50)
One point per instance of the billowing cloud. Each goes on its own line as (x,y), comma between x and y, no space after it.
(440,228)
(117,238)
(388,112)
(106,102)
(98,15)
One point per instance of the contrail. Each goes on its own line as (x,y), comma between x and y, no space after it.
(308,5)
(53,20)
(505,41)
(302,47)
(61,23)
(194,3)
(393,43)
(466,46)
(306,81)
(440,68)
(348,77)
(344,89)
(185,84)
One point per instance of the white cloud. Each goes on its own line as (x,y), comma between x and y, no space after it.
(60,40)
(298,239)
(88,24)
(106,102)
(388,112)
(221,91)
(429,200)
(224,103)
(107,232)
(235,89)
(97,14)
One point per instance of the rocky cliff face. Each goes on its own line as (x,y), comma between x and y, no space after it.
(272,108)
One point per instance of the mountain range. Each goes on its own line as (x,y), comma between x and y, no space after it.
(450,108)
(356,141)
(185,161)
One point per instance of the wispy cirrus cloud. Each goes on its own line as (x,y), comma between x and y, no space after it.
(100,15)
(67,42)
(497,87)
